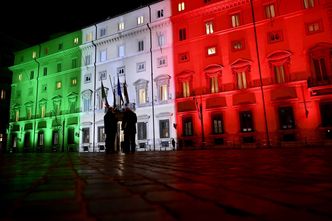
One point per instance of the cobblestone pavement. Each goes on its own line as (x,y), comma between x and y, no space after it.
(249,184)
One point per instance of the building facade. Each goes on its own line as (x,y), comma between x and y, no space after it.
(132,51)
(252,73)
(45,104)
(207,73)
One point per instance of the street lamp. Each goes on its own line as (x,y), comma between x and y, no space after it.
(260,73)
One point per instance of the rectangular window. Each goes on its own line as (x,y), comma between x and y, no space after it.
(162,61)
(217,124)
(140,67)
(58,85)
(211,51)
(44,88)
(86,104)
(87,60)
(87,78)
(164,128)
(121,51)
(45,71)
(73,81)
(89,36)
(187,126)
(29,112)
(17,115)
(181,6)
(41,139)
(20,77)
(214,84)
(142,96)
(160,13)
(237,45)
(120,71)
(209,27)
(314,27)
(60,46)
(246,121)
(141,46)
(163,92)
(286,118)
(235,20)
(34,54)
(32,75)
(140,20)
(161,39)
(102,55)
(185,89)
(3,94)
(269,11)
(74,63)
(320,69)
(121,26)
(59,67)
(71,135)
(326,114)
(308,3)
(182,34)
(241,80)
(275,36)
(102,32)
(102,75)
(42,110)
(55,138)
(75,41)
(101,134)
(141,130)
(279,74)
(183,57)
(86,135)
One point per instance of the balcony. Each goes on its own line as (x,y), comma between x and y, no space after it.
(318,83)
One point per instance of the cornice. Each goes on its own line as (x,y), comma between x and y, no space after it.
(59,54)
(211,9)
(132,32)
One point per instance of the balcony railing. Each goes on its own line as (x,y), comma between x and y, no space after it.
(315,83)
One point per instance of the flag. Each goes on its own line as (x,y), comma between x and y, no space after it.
(126,93)
(114,99)
(119,91)
(103,94)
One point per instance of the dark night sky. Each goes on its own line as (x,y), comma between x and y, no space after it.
(33,23)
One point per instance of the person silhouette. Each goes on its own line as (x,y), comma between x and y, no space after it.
(129,130)
(110,126)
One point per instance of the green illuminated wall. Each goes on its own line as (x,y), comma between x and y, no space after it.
(45,101)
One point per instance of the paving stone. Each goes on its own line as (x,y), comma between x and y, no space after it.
(256,184)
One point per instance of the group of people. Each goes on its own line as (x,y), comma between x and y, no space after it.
(129,120)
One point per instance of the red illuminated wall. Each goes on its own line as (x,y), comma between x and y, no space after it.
(294,44)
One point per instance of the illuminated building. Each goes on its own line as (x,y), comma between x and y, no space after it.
(45,104)
(57,103)
(284,98)
(119,50)
(239,80)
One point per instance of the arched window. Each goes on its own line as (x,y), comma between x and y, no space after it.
(279,64)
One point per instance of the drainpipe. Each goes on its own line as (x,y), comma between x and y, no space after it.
(36,101)
(151,62)
(94,92)
(260,74)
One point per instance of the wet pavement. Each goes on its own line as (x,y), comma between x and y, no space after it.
(249,184)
